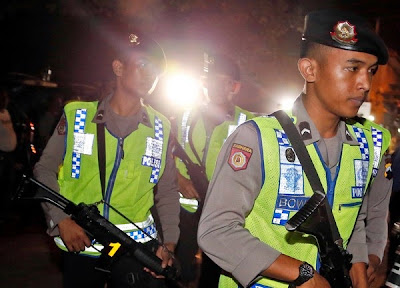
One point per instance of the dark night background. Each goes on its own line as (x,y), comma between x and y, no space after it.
(70,35)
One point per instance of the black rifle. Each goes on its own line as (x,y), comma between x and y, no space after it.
(116,242)
(196,172)
(313,218)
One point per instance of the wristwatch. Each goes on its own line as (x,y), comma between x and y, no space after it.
(306,272)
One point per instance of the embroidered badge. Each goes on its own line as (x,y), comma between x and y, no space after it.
(290,155)
(348,135)
(388,170)
(100,115)
(305,130)
(134,39)
(239,157)
(61,126)
(344,33)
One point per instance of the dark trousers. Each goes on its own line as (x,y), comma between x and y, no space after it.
(187,249)
(126,272)
(209,274)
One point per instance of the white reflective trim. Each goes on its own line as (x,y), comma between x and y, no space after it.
(130,226)
(242,118)
(186,201)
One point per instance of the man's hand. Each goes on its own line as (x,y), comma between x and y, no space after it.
(73,236)
(374,262)
(358,275)
(186,188)
(165,253)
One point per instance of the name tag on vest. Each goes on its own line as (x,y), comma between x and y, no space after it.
(83,143)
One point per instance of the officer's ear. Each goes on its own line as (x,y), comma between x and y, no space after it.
(117,67)
(308,69)
(236,87)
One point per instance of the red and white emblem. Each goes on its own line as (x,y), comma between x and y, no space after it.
(344,33)
(61,126)
(239,157)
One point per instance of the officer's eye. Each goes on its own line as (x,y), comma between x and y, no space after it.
(352,69)
(141,64)
(373,70)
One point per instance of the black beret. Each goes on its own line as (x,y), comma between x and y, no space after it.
(219,63)
(344,30)
(133,40)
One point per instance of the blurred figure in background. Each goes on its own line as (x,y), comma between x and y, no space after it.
(8,138)
(49,119)
(201,132)
(8,143)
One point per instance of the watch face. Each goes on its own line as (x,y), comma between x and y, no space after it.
(306,270)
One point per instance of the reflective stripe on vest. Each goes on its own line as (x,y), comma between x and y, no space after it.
(158,136)
(148,226)
(241,119)
(189,205)
(377,139)
(79,127)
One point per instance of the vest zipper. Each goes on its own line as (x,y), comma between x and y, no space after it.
(111,181)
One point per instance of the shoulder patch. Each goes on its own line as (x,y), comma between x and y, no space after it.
(388,168)
(61,126)
(239,157)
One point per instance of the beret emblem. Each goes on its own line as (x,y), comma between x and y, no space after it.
(134,39)
(344,33)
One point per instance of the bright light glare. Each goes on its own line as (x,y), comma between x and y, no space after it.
(183,90)
(371,117)
(286,104)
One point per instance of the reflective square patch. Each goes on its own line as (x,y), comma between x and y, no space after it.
(281,216)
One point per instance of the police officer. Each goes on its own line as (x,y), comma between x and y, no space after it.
(256,187)
(116,150)
(202,132)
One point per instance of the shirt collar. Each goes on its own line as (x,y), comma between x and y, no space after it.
(309,132)
(102,116)
(229,115)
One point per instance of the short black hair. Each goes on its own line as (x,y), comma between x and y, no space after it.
(312,50)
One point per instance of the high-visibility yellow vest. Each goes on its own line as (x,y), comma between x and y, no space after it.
(285,189)
(207,148)
(133,167)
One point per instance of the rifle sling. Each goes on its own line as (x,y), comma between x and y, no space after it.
(101,154)
(194,121)
(306,162)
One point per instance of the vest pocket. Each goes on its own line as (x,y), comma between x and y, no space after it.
(349,205)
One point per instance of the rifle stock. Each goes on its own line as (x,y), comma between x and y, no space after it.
(115,241)
(313,219)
